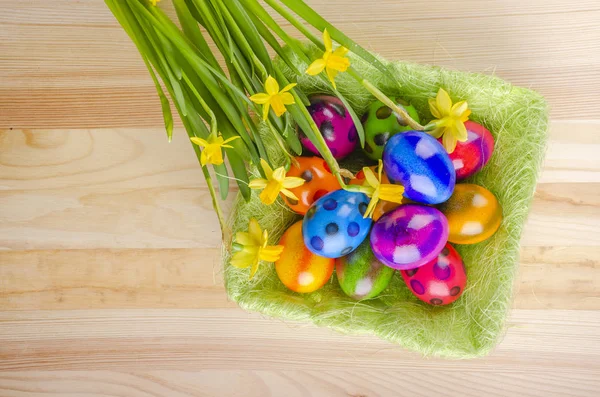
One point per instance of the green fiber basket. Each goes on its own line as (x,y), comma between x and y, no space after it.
(470,327)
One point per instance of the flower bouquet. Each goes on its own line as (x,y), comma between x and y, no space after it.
(375,197)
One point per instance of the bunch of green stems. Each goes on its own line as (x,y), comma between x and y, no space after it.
(211,99)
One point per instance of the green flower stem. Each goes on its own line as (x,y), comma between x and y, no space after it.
(225,231)
(207,109)
(295,22)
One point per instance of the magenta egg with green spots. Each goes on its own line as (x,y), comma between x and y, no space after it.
(439,282)
(335,123)
(361,275)
(334,225)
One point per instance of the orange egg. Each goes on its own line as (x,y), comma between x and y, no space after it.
(318,182)
(299,269)
(382,206)
(473,213)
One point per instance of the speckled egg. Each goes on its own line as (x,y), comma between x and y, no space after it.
(439,282)
(409,236)
(381,123)
(471,156)
(335,123)
(334,225)
(473,214)
(382,206)
(361,275)
(299,269)
(318,181)
(420,164)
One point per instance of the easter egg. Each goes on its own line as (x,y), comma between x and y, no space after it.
(299,269)
(318,181)
(334,225)
(471,156)
(361,275)
(473,214)
(439,282)
(381,122)
(409,236)
(382,206)
(420,164)
(335,123)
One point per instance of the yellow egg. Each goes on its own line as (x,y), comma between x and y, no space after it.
(473,213)
(299,269)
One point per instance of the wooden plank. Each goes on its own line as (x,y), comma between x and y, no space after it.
(540,341)
(325,383)
(549,278)
(67,66)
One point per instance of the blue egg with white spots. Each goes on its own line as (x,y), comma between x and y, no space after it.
(420,163)
(334,225)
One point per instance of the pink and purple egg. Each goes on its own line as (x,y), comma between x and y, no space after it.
(409,236)
(336,126)
(471,156)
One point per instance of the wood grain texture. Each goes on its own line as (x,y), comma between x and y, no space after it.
(110,281)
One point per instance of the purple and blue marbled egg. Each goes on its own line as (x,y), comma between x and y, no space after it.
(409,236)
(336,126)
(334,225)
(421,164)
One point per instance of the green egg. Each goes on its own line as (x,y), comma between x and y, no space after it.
(361,275)
(380,123)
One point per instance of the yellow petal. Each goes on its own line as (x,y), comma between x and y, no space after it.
(370,177)
(341,51)
(244,238)
(244,259)
(258,183)
(465,116)
(331,73)
(460,131)
(289,87)
(316,67)
(272,86)
(291,182)
(459,108)
(449,141)
(230,139)
(371,207)
(261,98)
(271,253)
(433,108)
(437,132)
(287,98)
(266,168)
(278,175)
(444,103)
(255,231)
(289,194)
(266,111)
(215,157)
(278,106)
(327,41)
(338,63)
(203,158)
(392,193)
(254,268)
(270,193)
(199,141)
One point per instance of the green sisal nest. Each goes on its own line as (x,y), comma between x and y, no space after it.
(470,327)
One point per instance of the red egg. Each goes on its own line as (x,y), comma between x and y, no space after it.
(471,156)
(439,282)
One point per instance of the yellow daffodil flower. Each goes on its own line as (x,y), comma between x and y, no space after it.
(153,2)
(274,97)
(212,148)
(275,183)
(332,62)
(450,120)
(251,247)
(376,190)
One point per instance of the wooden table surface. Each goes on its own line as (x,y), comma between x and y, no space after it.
(110,283)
